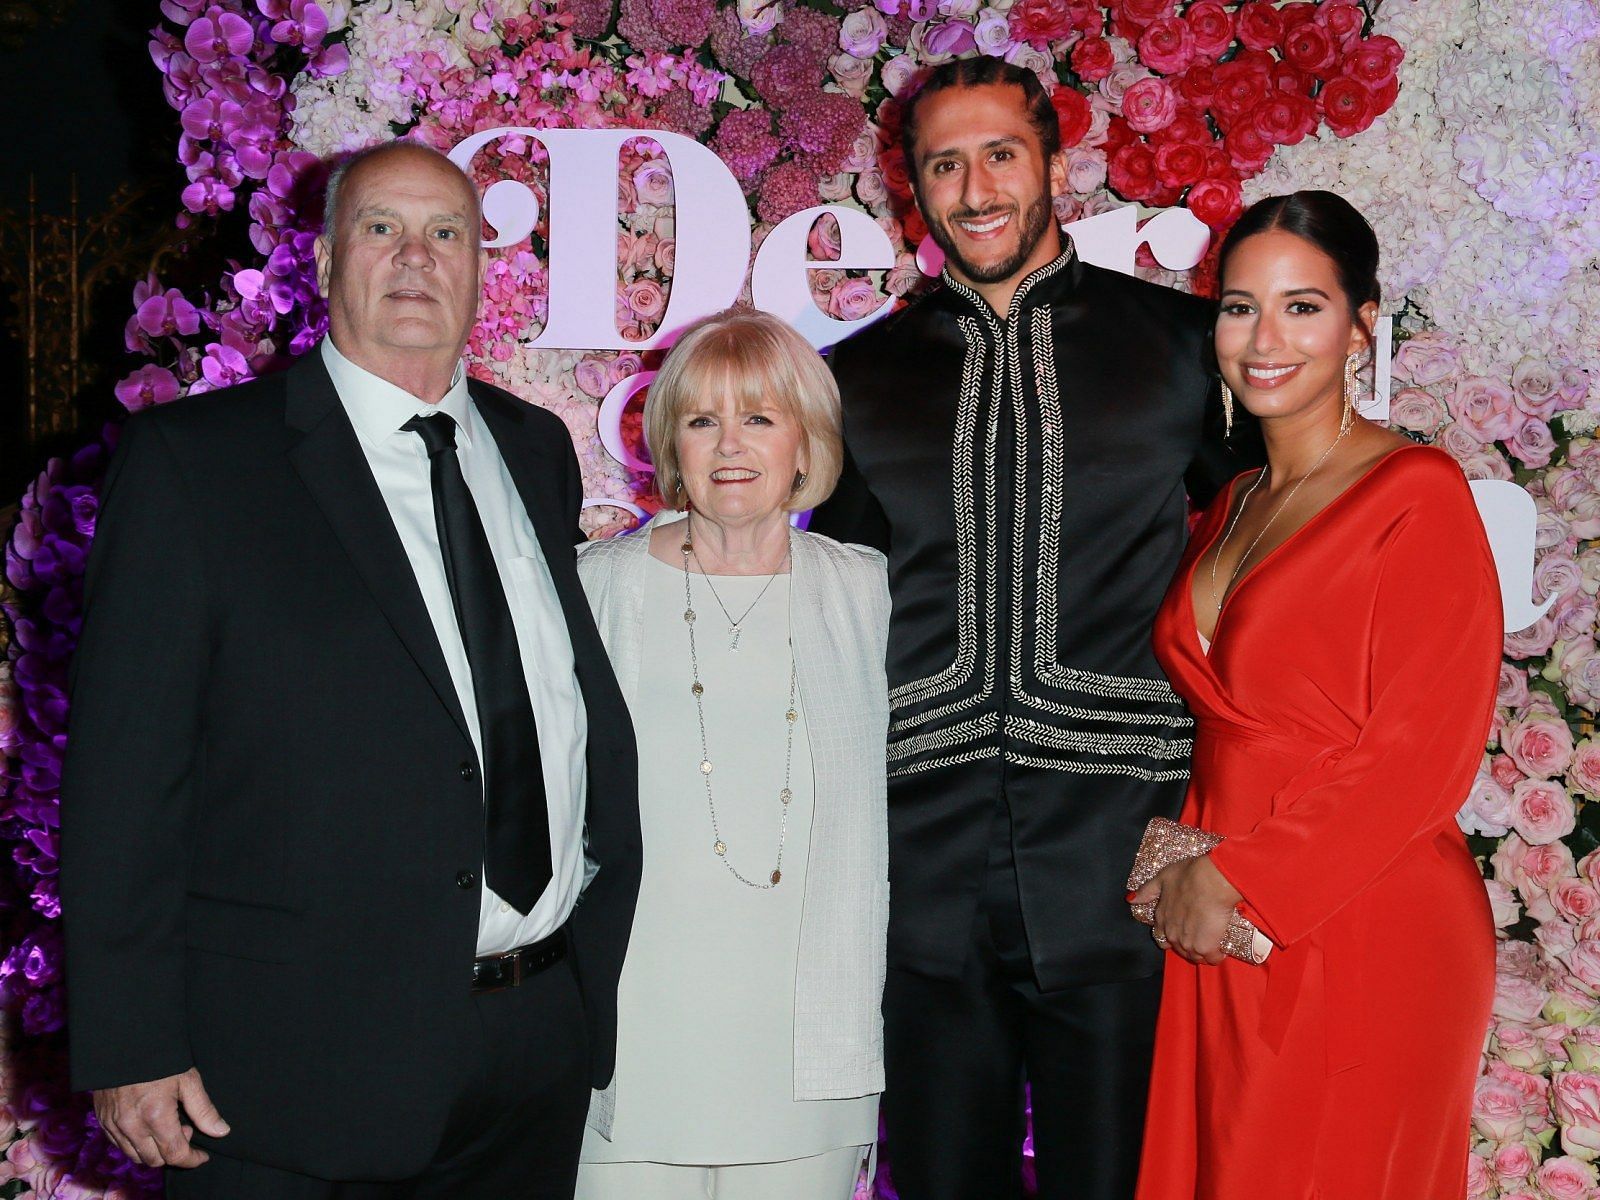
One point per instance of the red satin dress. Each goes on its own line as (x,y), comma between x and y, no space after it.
(1340,716)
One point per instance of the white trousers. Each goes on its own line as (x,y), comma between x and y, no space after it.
(830,1176)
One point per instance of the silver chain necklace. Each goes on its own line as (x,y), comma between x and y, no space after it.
(719,847)
(734,630)
(1216,599)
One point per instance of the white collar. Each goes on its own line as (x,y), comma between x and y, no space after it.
(378,408)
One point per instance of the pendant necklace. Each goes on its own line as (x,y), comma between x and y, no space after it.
(791,716)
(734,630)
(1216,599)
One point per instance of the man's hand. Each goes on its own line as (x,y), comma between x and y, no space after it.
(1194,901)
(145,1120)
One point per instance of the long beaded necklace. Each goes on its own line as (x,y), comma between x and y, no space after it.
(1276,513)
(719,847)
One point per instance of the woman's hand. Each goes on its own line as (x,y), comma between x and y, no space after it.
(1194,904)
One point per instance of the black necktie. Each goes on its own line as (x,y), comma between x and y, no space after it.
(516,815)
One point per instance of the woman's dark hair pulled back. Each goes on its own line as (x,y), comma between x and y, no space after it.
(1329,223)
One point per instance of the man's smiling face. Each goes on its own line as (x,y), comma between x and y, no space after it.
(984,184)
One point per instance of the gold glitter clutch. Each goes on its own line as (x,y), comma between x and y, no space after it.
(1166,842)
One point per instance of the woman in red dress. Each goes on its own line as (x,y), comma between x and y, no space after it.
(1335,627)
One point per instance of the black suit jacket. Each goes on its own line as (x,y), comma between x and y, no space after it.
(271,834)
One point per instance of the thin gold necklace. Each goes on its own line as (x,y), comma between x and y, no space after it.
(1216,599)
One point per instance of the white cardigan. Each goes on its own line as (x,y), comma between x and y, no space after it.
(839,622)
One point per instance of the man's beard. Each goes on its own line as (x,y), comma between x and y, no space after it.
(1035,222)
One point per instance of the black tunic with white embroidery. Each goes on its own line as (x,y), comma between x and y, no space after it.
(1027,478)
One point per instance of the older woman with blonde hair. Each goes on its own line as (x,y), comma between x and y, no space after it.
(750,1046)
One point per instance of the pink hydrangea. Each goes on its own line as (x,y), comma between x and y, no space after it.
(788,188)
(746,143)
(824,125)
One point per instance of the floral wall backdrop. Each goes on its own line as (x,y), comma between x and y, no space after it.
(1464,128)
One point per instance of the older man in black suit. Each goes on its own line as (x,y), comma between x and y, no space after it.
(345,750)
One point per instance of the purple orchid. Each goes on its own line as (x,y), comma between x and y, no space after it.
(148,386)
(218,34)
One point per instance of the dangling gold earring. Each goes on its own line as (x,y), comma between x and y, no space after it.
(1227,409)
(1352,364)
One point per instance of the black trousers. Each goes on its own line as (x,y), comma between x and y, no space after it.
(515,1128)
(958,1052)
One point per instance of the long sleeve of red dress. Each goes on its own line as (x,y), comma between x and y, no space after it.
(1435,655)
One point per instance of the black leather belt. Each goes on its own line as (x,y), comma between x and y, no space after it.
(500,971)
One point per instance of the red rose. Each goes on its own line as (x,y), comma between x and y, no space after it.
(1040,22)
(1212,26)
(1239,89)
(1197,85)
(1383,98)
(1217,163)
(1217,202)
(1256,60)
(1167,46)
(1203,275)
(1179,164)
(1093,59)
(1132,172)
(912,227)
(1347,105)
(1283,119)
(1374,61)
(1142,12)
(1072,109)
(1188,126)
(1310,47)
(1286,78)
(892,163)
(1149,105)
(1118,135)
(1343,20)
(1260,26)
(1247,150)
(1295,15)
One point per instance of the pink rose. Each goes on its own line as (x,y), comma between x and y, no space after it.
(666,259)
(1576,1098)
(1505,772)
(1479,1180)
(1542,812)
(1513,689)
(1487,809)
(852,74)
(1537,388)
(1555,937)
(898,72)
(1575,899)
(645,299)
(1149,105)
(1167,45)
(853,299)
(1585,769)
(1417,410)
(1517,1046)
(1569,1004)
(1566,1178)
(1540,747)
(1541,865)
(1583,966)
(861,33)
(1497,1111)
(1426,359)
(1086,170)
(653,182)
(1518,999)
(592,378)
(1503,906)
(1533,444)
(1484,408)
(1583,1047)
(1114,87)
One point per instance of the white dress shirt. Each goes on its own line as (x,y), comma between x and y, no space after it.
(399,463)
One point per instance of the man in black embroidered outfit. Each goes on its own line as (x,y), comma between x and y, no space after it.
(1021,444)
